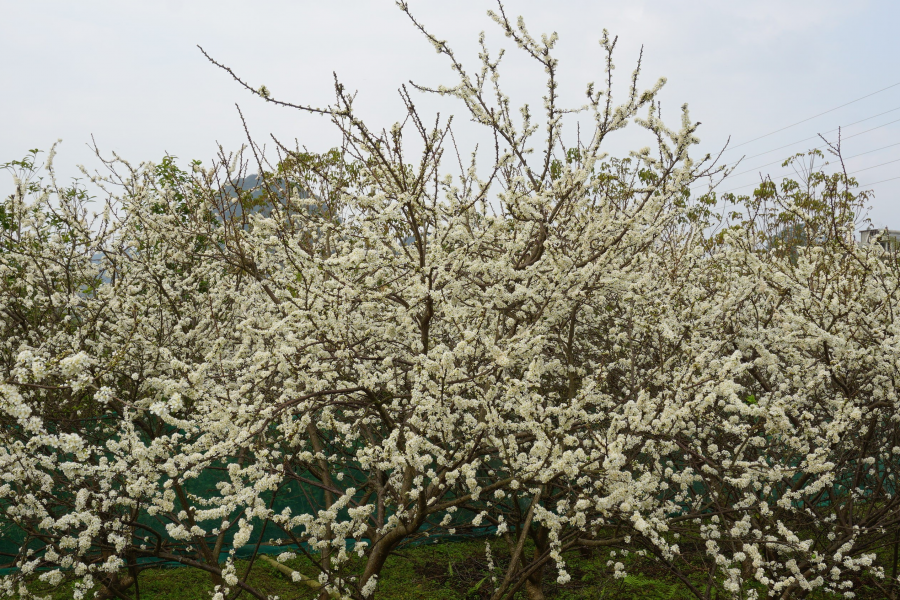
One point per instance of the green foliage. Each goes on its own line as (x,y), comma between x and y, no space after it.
(813,209)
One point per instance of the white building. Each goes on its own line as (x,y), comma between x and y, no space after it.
(889,239)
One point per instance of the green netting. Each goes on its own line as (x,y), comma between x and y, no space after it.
(298,497)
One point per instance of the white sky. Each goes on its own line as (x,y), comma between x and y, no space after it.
(129,73)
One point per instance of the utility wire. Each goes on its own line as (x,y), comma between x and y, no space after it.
(814,116)
(875,166)
(882,181)
(853,173)
(871,151)
(816,148)
(813,137)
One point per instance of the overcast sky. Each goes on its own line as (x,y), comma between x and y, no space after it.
(129,73)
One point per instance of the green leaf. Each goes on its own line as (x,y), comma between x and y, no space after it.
(477,586)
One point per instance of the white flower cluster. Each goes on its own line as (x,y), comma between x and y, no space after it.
(555,352)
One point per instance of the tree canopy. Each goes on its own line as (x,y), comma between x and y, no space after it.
(565,348)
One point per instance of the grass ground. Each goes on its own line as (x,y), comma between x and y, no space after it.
(447,571)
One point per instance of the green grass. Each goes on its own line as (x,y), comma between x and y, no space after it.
(446,571)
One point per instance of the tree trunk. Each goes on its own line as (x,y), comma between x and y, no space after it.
(534,585)
(118,584)
(380,552)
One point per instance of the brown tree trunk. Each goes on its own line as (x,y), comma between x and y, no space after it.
(119,584)
(534,585)
(203,549)
(381,551)
(325,476)
(116,585)
(586,552)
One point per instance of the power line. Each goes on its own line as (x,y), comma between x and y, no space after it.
(874,182)
(819,148)
(813,137)
(814,116)
(853,173)
(875,166)
(816,148)
(871,151)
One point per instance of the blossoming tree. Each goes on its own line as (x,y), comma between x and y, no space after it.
(386,343)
